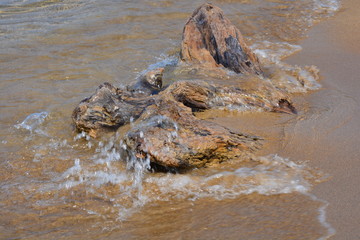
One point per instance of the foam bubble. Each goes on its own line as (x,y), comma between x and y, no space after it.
(272,175)
(326,6)
(133,186)
(292,78)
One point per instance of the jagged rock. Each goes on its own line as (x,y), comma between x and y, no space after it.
(200,95)
(211,40)
(110,107)
(165,129)
(172,137)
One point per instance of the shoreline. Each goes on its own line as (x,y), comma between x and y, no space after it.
(333,46)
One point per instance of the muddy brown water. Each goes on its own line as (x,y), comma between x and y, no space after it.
(58,184)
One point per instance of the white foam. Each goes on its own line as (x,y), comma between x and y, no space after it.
(292,78)
(273,175)
(163,61)
(327,6)
(322,217)
(274,52)
(137,187)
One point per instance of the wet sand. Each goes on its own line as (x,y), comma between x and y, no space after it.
(334,46)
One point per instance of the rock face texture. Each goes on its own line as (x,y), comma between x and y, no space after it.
(164,128)
(108,109)
(210,39)
(171,136)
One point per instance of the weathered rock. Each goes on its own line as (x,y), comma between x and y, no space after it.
(200,95)
(165,129)
(172,137)
(108,109)
(210,39)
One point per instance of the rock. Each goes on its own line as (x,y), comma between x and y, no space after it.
(165,129)
(172,137)
(148,84)
(200,95)
(211,40)
(108,109)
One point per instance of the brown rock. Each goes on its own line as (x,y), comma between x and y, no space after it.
(211,40)
(172,137)
(108,109)
(165,129)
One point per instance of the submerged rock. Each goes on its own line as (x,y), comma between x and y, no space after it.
(165,129)
(210,39)
(148,84)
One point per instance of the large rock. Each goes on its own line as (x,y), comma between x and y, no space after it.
(165,129)
(211,40)
(172,137)
(110,108)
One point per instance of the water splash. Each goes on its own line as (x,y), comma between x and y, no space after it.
(292,78)
(33,122)
(136,187)
(272,175)
(162,62)
(328,7)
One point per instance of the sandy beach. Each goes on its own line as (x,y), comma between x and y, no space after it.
(334,47)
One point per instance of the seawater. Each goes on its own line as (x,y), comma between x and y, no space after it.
(56,183)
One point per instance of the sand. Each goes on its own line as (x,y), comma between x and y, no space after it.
(332,139)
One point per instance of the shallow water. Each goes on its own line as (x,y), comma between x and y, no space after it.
(56,183)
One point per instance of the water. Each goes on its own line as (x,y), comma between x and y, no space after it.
(56,183)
